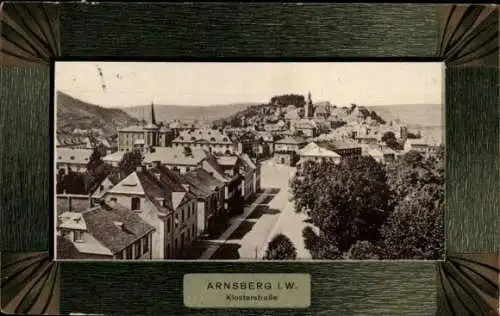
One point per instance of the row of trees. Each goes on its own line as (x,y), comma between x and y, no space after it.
(367,211)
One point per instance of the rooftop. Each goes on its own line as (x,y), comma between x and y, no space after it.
(102,225)
(203,134)
(292,140)
(176,156)
(314,150)
(74,156)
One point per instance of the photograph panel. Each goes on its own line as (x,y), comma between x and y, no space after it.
(248,161)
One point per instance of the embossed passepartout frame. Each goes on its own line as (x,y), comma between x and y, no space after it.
(464,36)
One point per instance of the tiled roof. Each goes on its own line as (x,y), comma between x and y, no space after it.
(304,124)
(339,144)
(102,224)
(227,160)
(213,166)
(176,156)
(291,140)
(248,161)
(73,156)
(316,151)
(114,157)
(206,134)
(71,220)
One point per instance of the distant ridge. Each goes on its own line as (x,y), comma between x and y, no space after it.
(73,113)
(414,115)
(166,113)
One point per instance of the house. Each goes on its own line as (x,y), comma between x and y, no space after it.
(101,186)
(251,172)
(304,127)
(209,192)
(178,159)
(70,141)
(211,140)
(251,144)
(165,204)
(343,146)
(286,150)
(422,145)
(313,152)
(75,160)
(389,154)
(107,231)
(114,158)
(376,153)
(232,180)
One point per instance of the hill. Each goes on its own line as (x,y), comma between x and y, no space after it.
(73,113)
(414,115)
(165,113)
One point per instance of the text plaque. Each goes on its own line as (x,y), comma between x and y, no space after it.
(250,290)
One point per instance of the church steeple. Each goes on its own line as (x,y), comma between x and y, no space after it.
(152,118)
(309,106)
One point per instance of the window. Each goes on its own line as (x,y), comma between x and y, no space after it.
(192,230)
(145,244)
(169,224)
(78,235)
(101,187)
(113,199)
(137,249)
(188,234)
(136,203)
(128,253)
(182,218)
(167,255)
(72,157)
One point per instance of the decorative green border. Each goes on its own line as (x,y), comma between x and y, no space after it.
(467,282)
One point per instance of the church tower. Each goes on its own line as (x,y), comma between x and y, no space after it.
(309,109)
(151,138)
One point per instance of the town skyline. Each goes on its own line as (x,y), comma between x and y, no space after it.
(114,84)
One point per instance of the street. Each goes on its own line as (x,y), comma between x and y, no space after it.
(270,214)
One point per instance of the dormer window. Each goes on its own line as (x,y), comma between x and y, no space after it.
(72,157)
(225,139)
(78,235)
(212,139)
(193,138)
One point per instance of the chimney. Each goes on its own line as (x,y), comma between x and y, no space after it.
(139,169)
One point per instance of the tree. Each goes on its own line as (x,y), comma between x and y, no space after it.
(288,99)
(74,183)
(280,248)
(95,160)
(390,139)
(347,202)
(319,246)
(130,161)
(362,250)
(415,230)
(413,171)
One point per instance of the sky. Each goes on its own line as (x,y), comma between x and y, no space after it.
(122,84)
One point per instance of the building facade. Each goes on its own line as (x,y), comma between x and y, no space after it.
(147,136)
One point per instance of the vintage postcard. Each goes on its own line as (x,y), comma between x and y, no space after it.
(248,161)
